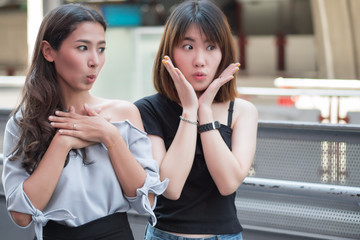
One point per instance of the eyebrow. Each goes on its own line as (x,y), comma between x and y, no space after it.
(88,42)
(193,40)
(189,39)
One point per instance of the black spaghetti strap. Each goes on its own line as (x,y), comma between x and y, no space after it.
(231,110)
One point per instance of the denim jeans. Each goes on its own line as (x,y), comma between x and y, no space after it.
(152,233)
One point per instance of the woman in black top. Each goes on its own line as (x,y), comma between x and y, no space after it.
(203,135)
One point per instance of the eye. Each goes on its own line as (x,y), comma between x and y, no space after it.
(82,48)
(211,47)
(188,47)
(101,49)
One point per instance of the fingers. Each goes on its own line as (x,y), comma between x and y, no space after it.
(65,120)
(170,68)
(230,70)
(63,125)
(91,111)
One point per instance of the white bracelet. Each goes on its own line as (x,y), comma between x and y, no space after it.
(189,121)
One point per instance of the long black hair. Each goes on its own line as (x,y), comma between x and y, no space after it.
(41,93)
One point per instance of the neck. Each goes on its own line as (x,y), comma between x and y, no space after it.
(77,101)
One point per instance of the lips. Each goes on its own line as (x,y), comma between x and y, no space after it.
(199,75)
(91,78)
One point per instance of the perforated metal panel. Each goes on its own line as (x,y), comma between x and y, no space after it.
(320,166)
(309,155)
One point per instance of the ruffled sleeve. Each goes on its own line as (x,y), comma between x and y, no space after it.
(140,146)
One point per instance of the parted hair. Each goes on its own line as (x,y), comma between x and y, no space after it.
(214,24)
(41,94)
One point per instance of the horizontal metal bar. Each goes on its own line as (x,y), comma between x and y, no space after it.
(259,91)
(303,188)
(317,83)
(309,126)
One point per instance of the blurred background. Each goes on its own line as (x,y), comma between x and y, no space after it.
(300,59)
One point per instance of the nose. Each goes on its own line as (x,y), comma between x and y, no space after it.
(94,59)
(199,58)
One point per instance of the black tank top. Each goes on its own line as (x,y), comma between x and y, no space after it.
(201,209)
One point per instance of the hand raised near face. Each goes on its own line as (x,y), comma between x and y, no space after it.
(184,89)
(207,98)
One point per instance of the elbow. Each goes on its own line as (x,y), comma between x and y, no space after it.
(21,219)
(172,194)
(229,188)
(227,191)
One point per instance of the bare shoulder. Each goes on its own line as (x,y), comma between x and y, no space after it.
(244,109)
(243,105)
(120,110)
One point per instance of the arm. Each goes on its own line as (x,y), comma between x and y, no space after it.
(230,172)
(129,172)
(40,186)
(176,162)
(26,194)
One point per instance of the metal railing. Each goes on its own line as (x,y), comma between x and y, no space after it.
(304,182)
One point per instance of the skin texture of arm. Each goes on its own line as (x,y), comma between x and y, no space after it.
(176,163)
(230,172)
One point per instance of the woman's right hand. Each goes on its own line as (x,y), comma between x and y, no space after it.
(71,141)
(184,89)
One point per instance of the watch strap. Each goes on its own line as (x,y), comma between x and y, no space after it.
(208,127)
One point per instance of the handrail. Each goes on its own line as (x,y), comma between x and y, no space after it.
(309,126)
(261,91)
(301,188)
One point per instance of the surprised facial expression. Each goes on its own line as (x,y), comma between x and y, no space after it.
(197,58)
(80,57)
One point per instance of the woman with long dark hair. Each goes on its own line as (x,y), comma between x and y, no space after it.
(75,163)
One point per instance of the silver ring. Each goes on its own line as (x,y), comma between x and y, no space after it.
(74,126)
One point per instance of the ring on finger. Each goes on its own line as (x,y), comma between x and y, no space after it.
(74,126)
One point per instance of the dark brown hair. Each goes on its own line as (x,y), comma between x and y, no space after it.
(41,93)
(213,23)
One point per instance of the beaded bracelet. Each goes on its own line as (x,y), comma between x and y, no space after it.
(189,121)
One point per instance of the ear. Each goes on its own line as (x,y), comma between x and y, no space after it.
(47,51)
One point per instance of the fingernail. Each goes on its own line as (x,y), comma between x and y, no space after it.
(51,117)
(164,62)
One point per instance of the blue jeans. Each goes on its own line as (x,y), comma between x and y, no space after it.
(152,233)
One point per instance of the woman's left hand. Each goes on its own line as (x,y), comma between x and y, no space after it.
(91,127)
(207,98)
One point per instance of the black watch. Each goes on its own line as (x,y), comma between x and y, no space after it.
(208,127)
